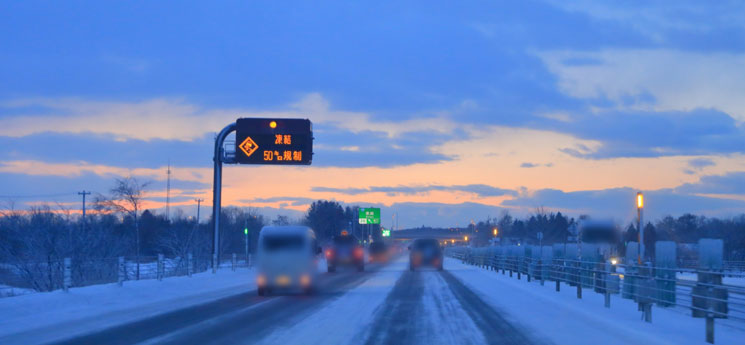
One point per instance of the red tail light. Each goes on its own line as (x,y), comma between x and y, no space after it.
(329,253)
(358,252)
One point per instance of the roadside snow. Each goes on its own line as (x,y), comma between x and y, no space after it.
(44,317)
(563,319)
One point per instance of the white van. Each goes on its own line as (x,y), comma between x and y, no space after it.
(287,259)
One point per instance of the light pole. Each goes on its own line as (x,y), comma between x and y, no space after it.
(245,235)
(640,229)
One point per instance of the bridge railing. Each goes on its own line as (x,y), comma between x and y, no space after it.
(707,292)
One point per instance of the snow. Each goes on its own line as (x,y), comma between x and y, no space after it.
(10,291)
(726,280)
(44,317)
(561,318)
(48,316)
(360,302)
(445,315)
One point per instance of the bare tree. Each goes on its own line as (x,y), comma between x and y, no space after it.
(127,197)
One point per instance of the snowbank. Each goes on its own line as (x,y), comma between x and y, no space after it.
(43,317)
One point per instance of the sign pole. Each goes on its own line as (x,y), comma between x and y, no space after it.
(216,192)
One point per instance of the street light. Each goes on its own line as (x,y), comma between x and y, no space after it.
(495,232)
(639,228)
(465,238)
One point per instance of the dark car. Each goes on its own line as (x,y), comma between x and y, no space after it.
(378,252)
(345,249)
(425,252)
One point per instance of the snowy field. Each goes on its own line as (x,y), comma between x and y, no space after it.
(50,315)
(561,318)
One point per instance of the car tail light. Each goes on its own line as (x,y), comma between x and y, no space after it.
(305,280)
(358,252)
(261,280)
(329,253)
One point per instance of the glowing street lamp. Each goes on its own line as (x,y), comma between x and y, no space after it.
(465,238)
(495,232)
(640,229)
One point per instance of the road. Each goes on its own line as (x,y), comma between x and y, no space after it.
(386,304)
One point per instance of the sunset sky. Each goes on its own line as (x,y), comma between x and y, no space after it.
(443,112)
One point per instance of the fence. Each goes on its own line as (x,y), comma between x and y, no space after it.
(31,277)
(707,291)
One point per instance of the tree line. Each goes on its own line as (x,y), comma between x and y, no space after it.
(556,228)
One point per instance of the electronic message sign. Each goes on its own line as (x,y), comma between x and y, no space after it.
(273,141)
(369,216)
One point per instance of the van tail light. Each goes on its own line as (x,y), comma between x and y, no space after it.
(358,252)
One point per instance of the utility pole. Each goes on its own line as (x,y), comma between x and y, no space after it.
(199,203)
(168,193)
(84,193)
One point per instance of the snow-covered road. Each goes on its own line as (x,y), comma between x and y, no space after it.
(387,304)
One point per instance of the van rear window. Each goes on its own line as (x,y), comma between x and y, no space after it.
(282,242)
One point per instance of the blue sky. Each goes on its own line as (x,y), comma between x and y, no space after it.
(461,110)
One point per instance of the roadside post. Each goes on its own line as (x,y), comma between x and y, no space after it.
(709,296)
(122,271)
(160,267)
(67,283)
(189,264)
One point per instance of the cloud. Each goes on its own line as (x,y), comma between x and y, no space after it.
(730,183)
(654,134)
(700,163)
(654,79)
(478,189)
(683,23)
(535,165)
(100,149)
(150,132)
(292,201)
(618,203)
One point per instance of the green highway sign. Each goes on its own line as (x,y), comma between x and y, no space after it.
(386,233)
(369,215)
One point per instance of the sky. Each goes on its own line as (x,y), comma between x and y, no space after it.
(439,112)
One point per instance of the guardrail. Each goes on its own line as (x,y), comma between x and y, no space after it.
(30,277)
(698,292)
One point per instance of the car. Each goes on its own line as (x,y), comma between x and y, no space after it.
(425,252)
(287,259)
(378,252)
(345,250)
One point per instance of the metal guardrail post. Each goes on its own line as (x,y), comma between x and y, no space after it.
(67,283)
(160,267)
(214,263)
(606,280)
(122,268)
(189,264)
(579,280)
(233,261)
(709,297)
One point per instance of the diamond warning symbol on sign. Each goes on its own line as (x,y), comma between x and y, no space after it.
(248,146)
